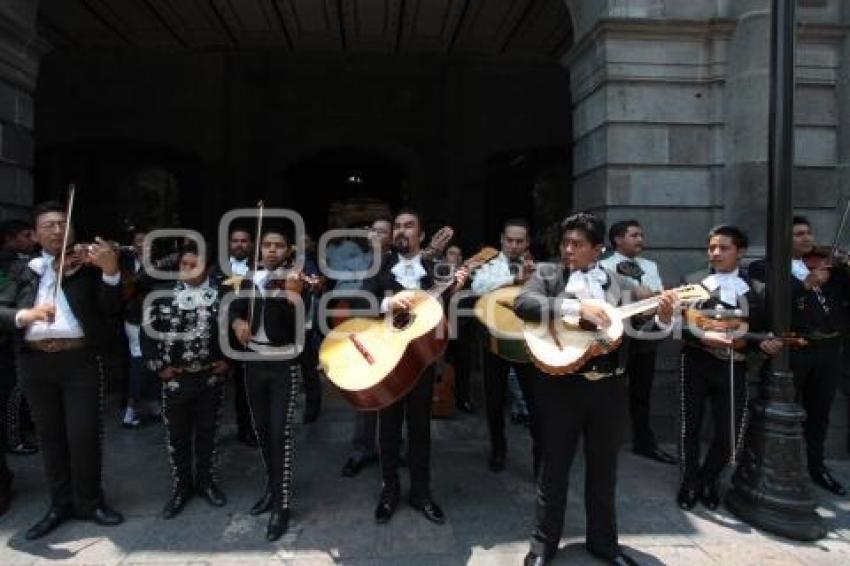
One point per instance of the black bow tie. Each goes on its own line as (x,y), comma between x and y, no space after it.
(630,268)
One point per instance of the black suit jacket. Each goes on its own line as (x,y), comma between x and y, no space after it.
(92,301)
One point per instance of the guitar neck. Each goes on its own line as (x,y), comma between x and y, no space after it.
(639,307)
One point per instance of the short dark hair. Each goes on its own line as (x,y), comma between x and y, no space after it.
(192,248)
(411,212)
(238,228)
(279,231)
(619,229)
(798,219)
(738,237)
(518,223)
(45,207)
(11,228)
(592,226)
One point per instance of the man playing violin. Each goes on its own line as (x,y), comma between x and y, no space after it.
(820,290)
(627,239)
(588,404)
(60,327)
(263,319)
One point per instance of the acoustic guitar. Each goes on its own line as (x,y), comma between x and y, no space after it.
(495,310)
(374,362)
(564,344)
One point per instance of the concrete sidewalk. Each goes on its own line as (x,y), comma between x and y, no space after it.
(489,515)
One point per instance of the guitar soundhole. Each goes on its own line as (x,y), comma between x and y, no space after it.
(403,320)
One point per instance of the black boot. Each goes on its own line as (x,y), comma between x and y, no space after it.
(264,504)
(176,504)
(278,524)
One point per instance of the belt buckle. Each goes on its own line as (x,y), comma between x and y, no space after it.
(594,375)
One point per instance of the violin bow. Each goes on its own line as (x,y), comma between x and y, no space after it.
(61,271)
(841,225)
(258,240)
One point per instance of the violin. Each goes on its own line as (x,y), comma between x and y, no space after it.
(732,321)
(826,257)
(296,283)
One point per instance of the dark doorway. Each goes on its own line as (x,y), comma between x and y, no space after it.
(533,183)
(341,187)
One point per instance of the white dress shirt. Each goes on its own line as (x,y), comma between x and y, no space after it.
(650,277)
(799,269)
(65,324)
(730,284)
(583,285)
(494,274)
(408,273)
(239,266)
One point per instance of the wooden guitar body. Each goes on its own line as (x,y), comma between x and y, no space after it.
(443,402)
(495,311)
(561,346)
(374,362)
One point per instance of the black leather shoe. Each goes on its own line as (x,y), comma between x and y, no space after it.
(464,407)
(263,504)
(655,453)
(278,525)
(105,516)
(825,479)
(176,504)
(387,504)
(710,496)
(23,448)
(430,509)
(497,462)
(687,498)
(55,517)
(213,495)
(532,559)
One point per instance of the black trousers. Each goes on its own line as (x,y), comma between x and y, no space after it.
(8,381)
(65,393)
(191,409)
(272,391)
(309,360)
(705,377)
(416,408)
(570,408)
(240,400)
(640,368)
(496,372)
(817,373)
(364,441)
(459,353)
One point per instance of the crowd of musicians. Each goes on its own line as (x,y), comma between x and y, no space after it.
(65,310)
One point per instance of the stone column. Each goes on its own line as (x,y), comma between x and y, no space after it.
(20,51)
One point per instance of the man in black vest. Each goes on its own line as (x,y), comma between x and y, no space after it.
(404,270)
(59,332)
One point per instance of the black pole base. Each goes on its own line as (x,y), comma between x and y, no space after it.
(770,487)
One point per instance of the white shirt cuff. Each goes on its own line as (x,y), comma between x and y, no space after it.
(18,323)
(385,305)
(664,326)
(570,307)
(112,280)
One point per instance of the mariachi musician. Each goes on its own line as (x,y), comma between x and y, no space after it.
(63,301)
(820,291)
(589,403)
(406,269)
(180,343)
(714,365)
(512,266)
(263,319)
